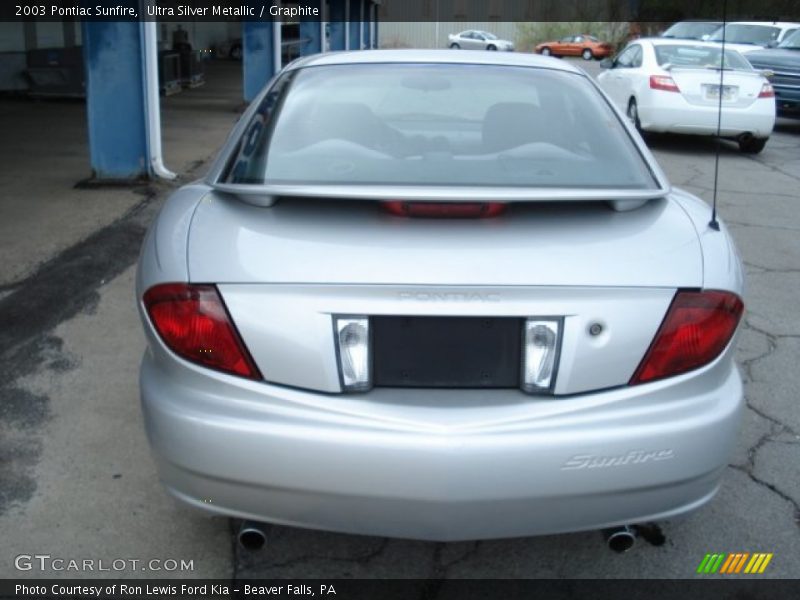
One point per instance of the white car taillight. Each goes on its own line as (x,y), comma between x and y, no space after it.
(767,91)
(542,342)
(353,353)
(663,83)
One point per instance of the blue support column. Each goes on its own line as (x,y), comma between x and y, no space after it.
(337,24)
(115,99)
(363,25)
(258,56)
(311,30)
(365,7)
(375,43)
(355,28)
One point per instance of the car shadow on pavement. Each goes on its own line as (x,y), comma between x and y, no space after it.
(694,144)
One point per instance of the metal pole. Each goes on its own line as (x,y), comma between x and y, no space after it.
(437,24)
(347,24)
(153,102)
(361,27)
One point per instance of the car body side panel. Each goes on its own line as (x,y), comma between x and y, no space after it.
(722,268)
(163,255)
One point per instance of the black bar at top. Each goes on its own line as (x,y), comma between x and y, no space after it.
(662,11)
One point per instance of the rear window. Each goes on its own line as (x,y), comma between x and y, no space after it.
(792,41)
(433,124)
(748,34)
(692,30)
(707,57)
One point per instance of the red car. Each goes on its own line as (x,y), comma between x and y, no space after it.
(587,46)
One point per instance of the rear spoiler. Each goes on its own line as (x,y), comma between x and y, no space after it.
(266,194)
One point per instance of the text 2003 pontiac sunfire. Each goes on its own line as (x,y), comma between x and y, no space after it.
(442,296)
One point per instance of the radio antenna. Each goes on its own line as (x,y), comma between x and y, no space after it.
(714,224)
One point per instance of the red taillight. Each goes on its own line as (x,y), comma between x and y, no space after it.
(444,210)
(664,83)
(193,322)
(767,91)
(695,331)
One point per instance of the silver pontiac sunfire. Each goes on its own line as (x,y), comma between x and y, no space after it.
(443,296)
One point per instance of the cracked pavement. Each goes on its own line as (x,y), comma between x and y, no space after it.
(76,476)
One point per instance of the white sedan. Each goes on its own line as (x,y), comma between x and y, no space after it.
(674,85)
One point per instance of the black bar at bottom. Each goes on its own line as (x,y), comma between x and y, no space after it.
(717,587)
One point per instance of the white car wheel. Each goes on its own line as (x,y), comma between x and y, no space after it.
(587,54)
(633,114)
(749,144)
(546,51)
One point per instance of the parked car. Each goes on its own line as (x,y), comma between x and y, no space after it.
(784,64)
(673,85)
(478,40)
(749,36)
(692,30)
(444,296)
(587,46)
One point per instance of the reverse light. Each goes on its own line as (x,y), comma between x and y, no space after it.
(696,330)
(193,322)
(444,210)
(353,353)
(767,91)
(664,83)
(541,340)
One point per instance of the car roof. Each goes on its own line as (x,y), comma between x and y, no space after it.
(660,41)
(510,59)
(781,24)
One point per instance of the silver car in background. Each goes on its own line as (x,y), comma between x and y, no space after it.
(443,296)
(478,40)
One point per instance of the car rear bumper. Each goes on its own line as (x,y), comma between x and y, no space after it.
(528,467)
(678,116)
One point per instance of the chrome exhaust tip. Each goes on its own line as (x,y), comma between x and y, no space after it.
(620,539)
(252,535)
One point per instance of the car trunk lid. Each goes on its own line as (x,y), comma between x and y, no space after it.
(287,271)
(544,244)
(701,87)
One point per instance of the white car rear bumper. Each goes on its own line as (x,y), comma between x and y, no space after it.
(670,112)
